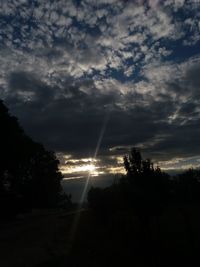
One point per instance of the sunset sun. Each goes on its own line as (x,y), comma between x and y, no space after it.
(86,168)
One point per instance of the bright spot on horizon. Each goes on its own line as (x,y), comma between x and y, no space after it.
(81,167)
(85,168)
(91,169)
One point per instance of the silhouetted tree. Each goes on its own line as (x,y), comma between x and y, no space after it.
(146,192)
(146,186)
(29,174)
(144,189)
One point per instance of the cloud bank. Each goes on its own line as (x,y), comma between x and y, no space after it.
(72,68)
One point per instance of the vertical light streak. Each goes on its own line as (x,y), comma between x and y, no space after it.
(105,122)
(78,214)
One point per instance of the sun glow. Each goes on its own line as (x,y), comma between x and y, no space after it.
(85,168)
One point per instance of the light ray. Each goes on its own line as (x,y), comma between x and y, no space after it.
(77,216)
(105,122)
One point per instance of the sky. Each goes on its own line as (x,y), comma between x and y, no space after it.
(91,79)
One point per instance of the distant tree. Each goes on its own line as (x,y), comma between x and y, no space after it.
(29,174)
(133,163)
(146,185)
(144,189)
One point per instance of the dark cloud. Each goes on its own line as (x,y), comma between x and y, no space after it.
(76,73)
(192,76)
(21,82)
(71,122)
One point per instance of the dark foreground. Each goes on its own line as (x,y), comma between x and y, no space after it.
(81,239)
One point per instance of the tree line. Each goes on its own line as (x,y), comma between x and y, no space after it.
(145,189)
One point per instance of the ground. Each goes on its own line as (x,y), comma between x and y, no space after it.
(81,239)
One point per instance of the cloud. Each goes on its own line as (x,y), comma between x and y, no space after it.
(77,109)
(66,65)
(103,33)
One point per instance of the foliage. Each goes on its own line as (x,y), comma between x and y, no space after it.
(29,174)
(147,187)
(144,189)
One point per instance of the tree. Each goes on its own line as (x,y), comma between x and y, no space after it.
(146,185)
(29,174)
(146,191)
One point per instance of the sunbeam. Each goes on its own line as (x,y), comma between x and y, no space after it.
(102,132)
(92,167)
